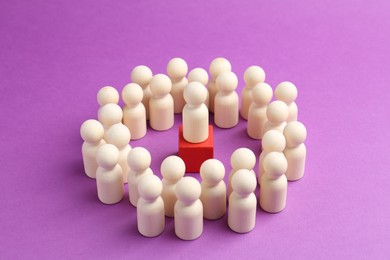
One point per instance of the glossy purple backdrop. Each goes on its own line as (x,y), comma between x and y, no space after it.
(54,56)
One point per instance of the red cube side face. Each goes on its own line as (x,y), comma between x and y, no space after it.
(194,155)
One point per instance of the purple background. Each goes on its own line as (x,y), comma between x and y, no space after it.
(55,56)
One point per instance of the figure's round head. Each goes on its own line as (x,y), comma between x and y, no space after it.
(107,95)
(243,158)
(172,168)
(139,159)
(295,133)
(92,131)
(275,164)
(118,135)
(244,182)
(160,85)
(227,82)
(212,171)
(110,114)
(150,187)
(177,68)
(195,94)
(273,141)
(254,75)
(107,156)
(262,94)
(188,190)
(219,65)
(286,92)
(277,112)
(141,75)
(132,94)
(199,75)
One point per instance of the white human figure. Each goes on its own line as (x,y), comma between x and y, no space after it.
(161,103)
(92,133)
(107,95)
(134,113)
(241,158)
(177,70)
(213,194)
(139,160)
(273,141)
(252,76)
(142,75)
(273,192)
(109,115)
(119,136)
(295,151)
(217,66)
(226,100)
(150,206)
(242,202)
(195,113)
(257,114)
(200,75)
(188,209)
(277,113)
(172,170)
(109,181)
(287,92)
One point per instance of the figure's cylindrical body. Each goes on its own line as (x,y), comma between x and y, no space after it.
(123,152)
(212,88)
(177,94)
(214,200)
(292,112)
(273,194)
(150,217)
(169,197)
(257,118)
(109,185)
(89,158)
(188,220)
(246,100)
(296,158)
(135,119)
(133,179)
(161,112)
(145,100)
(242,212)
(195,123)
(226,110)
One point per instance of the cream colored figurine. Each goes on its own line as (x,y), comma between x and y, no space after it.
(177,70)
(242,202)
(109,115)
(273,191)
(172,170)
(257,114)
(252,76)
(161,103)
(119,136)
(134,113)
(241,158)
(277,113)
(107,95)
(287,92)
(150,206)
(295,152)
(213,194)
(139,160)
(142,76)
(92,133)
(109,175)
(188,209)
(200,75)
(195,113)
(217,66)
(226,100)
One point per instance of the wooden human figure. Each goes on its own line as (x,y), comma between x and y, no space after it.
(177,70)
(109,115)
(161,103)
(200,75)
(107,95)
(172,170)
(295,151)
(226,100)
(92,133)
(287,92)
(277,113)
(213,194)
(142,75)
(257,114)
(134,113)
(252,76)
(273,191)
(241,158)
(242,202)
(119,135)
(217,66)
(150,206)
(188,209)
(195,113)
(139,160)
(109,181)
